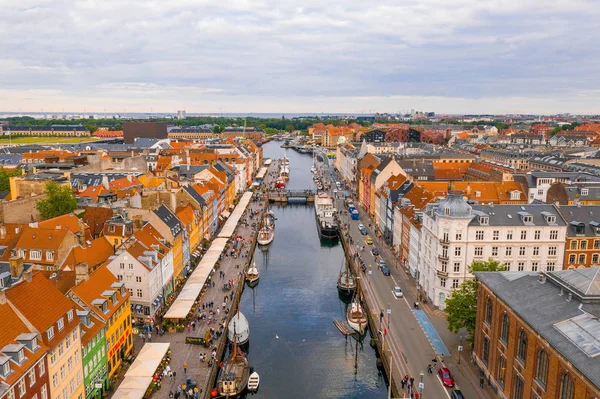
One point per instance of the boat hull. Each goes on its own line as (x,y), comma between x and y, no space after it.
(266,241)
(330,233)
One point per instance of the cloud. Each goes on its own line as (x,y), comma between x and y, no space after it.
(338,56)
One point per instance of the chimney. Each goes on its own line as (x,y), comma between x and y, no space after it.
(138,223)
(28,275)
(3,231)
(105,182)
(16,266)
(2,297)
(129,178)
(82,272)
(81,234)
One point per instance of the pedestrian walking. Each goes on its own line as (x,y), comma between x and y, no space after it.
(412,382)
(442,357)
(429,369)
(149,337)
(481,382)
(185,367)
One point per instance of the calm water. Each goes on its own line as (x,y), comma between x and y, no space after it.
(294,345)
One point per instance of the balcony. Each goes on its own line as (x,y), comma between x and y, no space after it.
(445,240)
(441,273)
(443,257)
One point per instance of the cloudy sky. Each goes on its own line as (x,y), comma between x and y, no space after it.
(449,56)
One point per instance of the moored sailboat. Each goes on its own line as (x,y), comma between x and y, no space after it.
(252,273)
(238,329)
(355,315)
(233,376)
(346,282)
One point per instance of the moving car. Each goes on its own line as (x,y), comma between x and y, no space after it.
(369,241)
(398,292)
(375,251)
(385,270)
(457,394)
(446,377)
(363,231)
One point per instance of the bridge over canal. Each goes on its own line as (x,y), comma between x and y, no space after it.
(297,196)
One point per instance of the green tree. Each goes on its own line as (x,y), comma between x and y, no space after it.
(218,128)
(91,128)
(271,131)
(59,200)
(262,126)
(5,176)
(461,306)
(289,128)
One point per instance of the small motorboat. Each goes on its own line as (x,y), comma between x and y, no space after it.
(253,382)
(252,274)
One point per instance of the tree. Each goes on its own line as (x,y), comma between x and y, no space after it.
(218,128)
(262,126)
(289,128)
(271,131)
(59,200)
(5,176)
(461,306)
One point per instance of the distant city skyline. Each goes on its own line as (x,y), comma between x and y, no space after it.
(462,57)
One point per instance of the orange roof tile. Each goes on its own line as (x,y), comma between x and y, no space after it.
(125,183)
(10,239)
(91,289)
(68,221)
(95,217)
(39,238)
(98,251)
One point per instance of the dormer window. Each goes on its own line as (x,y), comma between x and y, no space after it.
(515,195)
(20,356)
(61,324)
(477,194)
(447,211)
(484,220)
(70,315)
(34,344)
(50,333)
(5,368)
(527,219)
(35,254)
(551,219)
(50,256)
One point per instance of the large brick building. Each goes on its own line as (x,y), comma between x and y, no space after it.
(583,235)
(538,335)
(152,130)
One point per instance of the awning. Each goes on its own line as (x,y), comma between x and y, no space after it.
(226,214)
(139,375)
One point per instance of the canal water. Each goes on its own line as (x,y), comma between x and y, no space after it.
(294,345)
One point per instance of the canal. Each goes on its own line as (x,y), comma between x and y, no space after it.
(294,345)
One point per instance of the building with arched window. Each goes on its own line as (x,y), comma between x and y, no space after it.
(537,335)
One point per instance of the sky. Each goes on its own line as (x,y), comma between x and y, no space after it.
(346,56)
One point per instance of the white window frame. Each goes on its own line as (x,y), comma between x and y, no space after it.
(61,324)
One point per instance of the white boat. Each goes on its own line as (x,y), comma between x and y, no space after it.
(266,235)
(355,315)
(239,326)
(253,382)
(252,273)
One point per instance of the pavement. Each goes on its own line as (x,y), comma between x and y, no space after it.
(416,335)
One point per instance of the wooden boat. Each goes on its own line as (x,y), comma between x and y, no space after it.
(252,273)
(267,232)
(233,376)
(346,282)
(355,315)
(253,382)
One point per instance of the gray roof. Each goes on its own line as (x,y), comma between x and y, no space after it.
(513,215)
(417,168)
(581,215)
(170,220)
(95,179)
(454,206)
(548,313)
(576,192)
(195,195)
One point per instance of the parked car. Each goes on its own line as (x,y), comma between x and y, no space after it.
(398,292)
(369,241)
(375,251)
(385,270)
(457,394)
(363,231)
(361,226)
(446,377)
(382,263)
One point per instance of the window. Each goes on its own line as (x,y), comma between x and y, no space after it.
(50,255)
(595,259)
(70,315)
(70,364)
(501,368)
(63,372)
(509,235)
(65,394)
(68,341)
(479,235)
(521,266)
(537,234)
(508,251)
(523,234)
(42,368)
(584,191)
(456,267)
(44,393)
(35,255)
(138,279)
(551,251)
(488,311)
(518,386)
(536,251)
(486,349)
(139,293)
(478,251)
(55,380)
(72,386)
(550,266)
(522,251)
(583,244)
(444,266)
(534,266)
(458,235)
(581,259)
(60,349)
(120,277)
(484,220)
(494,251)
(496,235)
(541,368)
(131,266)
(53,356)
(554,234)
(443,281)
(504,328)
(522,346)
(444,251)
(572,259)
(507,266)
(455,283)
(22,388)
(573,244)
(457,251)
(61,324)
(596,244)
(32,377)
(50,333)
(74,335)
(567,388)
(122,265)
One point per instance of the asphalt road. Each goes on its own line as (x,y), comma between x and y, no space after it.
(411,348)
